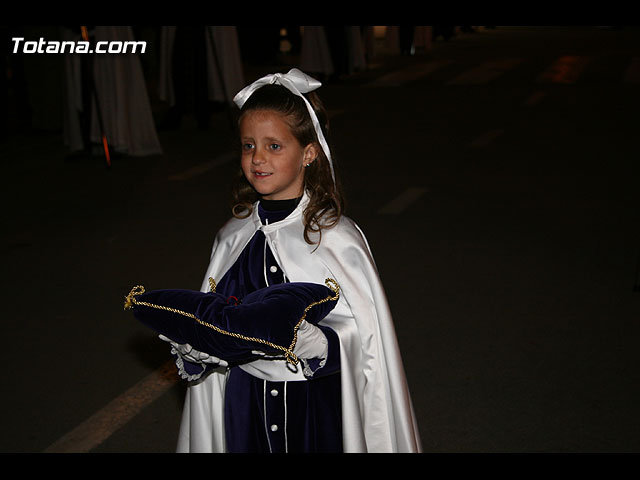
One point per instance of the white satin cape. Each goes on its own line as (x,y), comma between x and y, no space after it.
(377,412)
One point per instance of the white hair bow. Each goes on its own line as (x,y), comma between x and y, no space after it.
(298,83)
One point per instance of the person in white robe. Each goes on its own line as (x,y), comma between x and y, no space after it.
(120,109)
(315,56)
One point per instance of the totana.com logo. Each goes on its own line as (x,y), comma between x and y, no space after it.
(67,46)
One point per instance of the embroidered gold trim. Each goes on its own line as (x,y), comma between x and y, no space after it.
(130,301)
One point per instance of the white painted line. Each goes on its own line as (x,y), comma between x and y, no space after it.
(487,138)
(486,72)
(565,70)
(100,426)
(402,201)
(204,167)
(409,74)
(632,75)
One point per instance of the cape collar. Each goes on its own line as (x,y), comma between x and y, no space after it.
(292,217)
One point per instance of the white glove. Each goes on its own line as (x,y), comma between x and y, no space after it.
(312,343)
(190,354)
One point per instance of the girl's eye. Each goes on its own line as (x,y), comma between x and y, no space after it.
(275,146)
(246,147)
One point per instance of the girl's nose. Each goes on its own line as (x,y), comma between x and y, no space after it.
(256,158)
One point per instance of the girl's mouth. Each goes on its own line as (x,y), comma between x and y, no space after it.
(261,174)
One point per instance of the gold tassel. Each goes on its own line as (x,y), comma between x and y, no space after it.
(130,299)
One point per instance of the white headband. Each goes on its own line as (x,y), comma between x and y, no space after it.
(298,83)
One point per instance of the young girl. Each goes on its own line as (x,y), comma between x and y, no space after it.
(349,392)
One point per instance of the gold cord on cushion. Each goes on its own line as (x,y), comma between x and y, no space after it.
(130,301)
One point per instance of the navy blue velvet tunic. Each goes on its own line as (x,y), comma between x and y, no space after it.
(263,416)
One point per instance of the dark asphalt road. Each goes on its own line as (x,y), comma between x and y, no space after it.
(510,267)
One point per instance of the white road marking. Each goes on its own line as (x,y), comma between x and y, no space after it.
(100,426)
(402,201)
(486,72)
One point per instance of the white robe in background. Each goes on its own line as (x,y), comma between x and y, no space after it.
(377,412)
(123,100)
(355,44)
(315,55)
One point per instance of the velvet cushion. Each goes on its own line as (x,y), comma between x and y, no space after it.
(264,320)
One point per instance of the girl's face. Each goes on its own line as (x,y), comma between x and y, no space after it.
(273,160)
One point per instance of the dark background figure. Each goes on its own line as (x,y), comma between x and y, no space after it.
(15,110)
(259,45)
(87,87)
(339,48)
(405,38)
(189,74)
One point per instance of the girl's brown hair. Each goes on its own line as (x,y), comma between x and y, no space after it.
(326,201)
